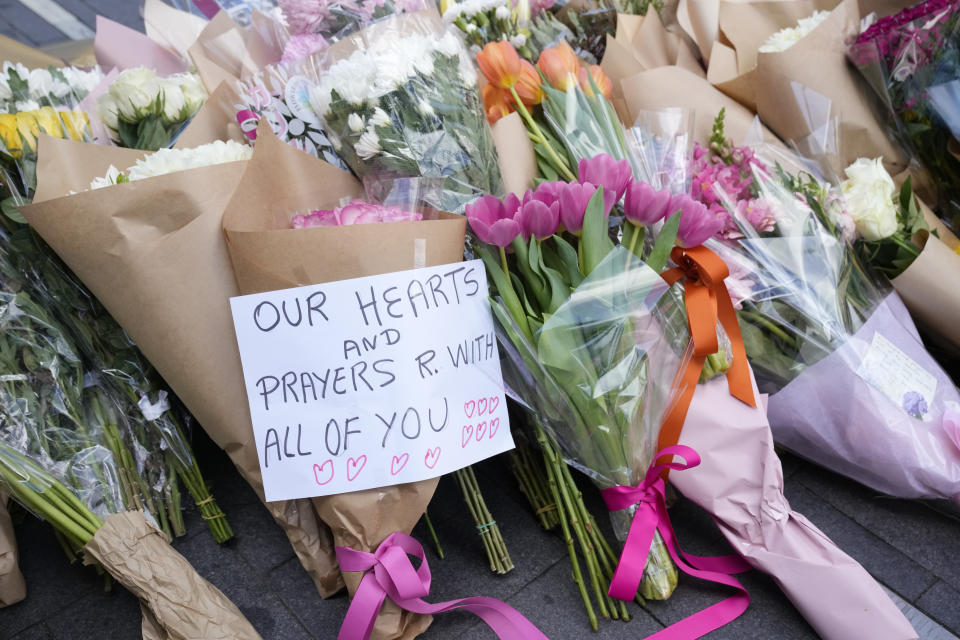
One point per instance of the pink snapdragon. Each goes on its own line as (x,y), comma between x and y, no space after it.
(354,212)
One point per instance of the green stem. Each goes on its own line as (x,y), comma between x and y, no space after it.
(433,534)
(560,165)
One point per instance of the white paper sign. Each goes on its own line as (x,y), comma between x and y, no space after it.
(372,382)
(899,377)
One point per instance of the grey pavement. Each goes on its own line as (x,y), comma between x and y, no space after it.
(912,548)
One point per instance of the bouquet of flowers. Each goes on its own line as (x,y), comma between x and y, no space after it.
(23,89)
(400,99)
(911,60)
(144,111)
(853,387)
(487,21)
(338,19)
(166,161)
(280,95)
(572,306)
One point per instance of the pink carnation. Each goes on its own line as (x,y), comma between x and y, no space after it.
(302,45)
(355,212)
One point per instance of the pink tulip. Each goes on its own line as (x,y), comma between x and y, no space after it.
(574,198)
(546,192)
(538,220)
(493,221)
(314,219)
(645,205)
(697,223)
(603,171)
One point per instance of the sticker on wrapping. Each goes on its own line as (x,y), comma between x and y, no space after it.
(297,97)
(372,382)
(899,377)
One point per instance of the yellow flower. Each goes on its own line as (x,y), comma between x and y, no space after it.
(29,129)
(9,135)
(48,122)
(75,124)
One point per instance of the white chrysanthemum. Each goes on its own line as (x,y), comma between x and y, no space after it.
(380,118)
(786,38)
(502,13)
(425,108)
(355,122)
(167,161)
(518,40)
(113,174)
(471,28)
(26,105)
(368,145)
(5,92)
(82,82)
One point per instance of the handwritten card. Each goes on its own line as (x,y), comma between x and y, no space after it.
(899,377)
(372,382)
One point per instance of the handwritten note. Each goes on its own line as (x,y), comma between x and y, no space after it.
(899,377)
(372,382)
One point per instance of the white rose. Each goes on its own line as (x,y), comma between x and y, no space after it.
(135,92)
(869,191)
(355,122)
(193,91)
(173,101)
(107,109)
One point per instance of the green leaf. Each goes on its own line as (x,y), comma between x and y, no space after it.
(527,266)
(151,134)
(505,289)
(664,244)
(559,289)
(571,262)
(9,207)
(595,241)
(128,134)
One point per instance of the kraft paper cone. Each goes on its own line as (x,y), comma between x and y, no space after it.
(220,53)
(700,20)
(216,120)
(518,161)
(171,28)
(13,589)
(676,87)
(181,604)
(928,288)
(26,55)
(740,483)
(267,255)
(817,62)
(154,254)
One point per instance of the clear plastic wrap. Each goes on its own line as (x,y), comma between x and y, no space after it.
(337,19)
(912,62)
(400,99)
(281,95)
(852,386)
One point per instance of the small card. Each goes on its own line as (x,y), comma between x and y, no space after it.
(899,377)
(372,382)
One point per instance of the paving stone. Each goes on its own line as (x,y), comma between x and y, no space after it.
(928,537)
(36,29)
(942,603)
(126,13)
(36,632)
(83,11)
(882,560)
(296,590)
(115,614)
(52,583)
(258,538)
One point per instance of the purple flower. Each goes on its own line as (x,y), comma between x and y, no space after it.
(494,221)
(574,198)
(604,171)
(697,223)
(914,404)
(538,220)
(546,192)
(645,205)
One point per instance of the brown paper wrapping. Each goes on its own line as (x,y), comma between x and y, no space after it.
(171,28)
(224,52)
(216,120)
(518,161)
(153,252)
(676,87)
(180,603)
(762,81)
(268,255)
(928,288)
(26,55)
(13,589)
(700,20)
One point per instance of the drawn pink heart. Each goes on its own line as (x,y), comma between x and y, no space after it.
(469,407)
(431,458)
(318,472)
(397,464)
(494,425)
(481,430)
(355,466)
(494,403)
(481,406)
(466,434)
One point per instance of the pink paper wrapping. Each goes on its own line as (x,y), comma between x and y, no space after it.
(740,483)
(118,46)
(835,418)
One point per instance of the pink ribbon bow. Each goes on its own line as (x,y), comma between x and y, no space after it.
(651,516)
(390,573)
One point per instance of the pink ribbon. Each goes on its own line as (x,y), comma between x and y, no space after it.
(390,573)
(651,516)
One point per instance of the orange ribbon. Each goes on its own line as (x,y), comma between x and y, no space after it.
(708,302)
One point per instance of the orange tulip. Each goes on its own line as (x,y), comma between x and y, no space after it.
(599,78)
(500,63)
(528,86)
(560,65)
(496,102)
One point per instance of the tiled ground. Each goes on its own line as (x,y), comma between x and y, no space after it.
(912,548)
